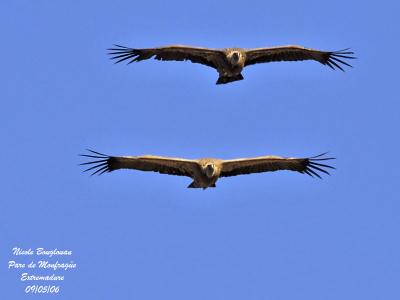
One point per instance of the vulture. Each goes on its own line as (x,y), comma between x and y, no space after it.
(206,171)
(229,62)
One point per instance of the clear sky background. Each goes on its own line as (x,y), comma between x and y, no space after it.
(137,235)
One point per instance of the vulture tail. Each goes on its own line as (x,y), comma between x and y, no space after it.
(226,79)
(194,185)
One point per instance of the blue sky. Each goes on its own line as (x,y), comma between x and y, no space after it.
(145,236)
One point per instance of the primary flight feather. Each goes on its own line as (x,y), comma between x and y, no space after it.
(206,171)
(229,62)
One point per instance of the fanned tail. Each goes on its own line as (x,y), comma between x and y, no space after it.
(226,79)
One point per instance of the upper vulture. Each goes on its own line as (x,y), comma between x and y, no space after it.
(229,62)
(206,171)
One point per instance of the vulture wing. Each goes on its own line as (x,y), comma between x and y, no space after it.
(164,165)
(199,55)
(294,53)
(309,166)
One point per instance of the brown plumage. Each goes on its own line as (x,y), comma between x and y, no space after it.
(229,62)
(206,171)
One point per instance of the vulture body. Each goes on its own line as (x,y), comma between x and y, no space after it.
(206,171)
(229,62)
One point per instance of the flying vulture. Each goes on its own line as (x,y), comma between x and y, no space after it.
(229,62)
(206,171)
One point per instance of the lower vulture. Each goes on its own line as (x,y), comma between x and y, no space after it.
(206,171)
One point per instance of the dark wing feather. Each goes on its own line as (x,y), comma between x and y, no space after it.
(199,55)
(310,166)
(165,165)
(332,59)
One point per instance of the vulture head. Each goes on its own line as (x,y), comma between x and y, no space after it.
(235,57)
(209,170)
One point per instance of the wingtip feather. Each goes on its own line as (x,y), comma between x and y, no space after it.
(101,162)
(313,166)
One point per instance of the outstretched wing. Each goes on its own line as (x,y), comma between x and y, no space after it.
(310,166)
(165,165)
(332,59)
(199,55)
